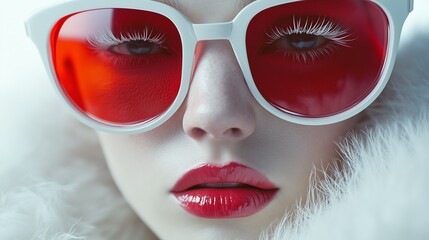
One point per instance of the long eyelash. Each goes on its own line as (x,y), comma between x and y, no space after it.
(321,27)
(105,39)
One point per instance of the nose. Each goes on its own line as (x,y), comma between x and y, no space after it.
(219,105)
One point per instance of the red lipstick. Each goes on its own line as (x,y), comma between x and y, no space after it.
(229,191)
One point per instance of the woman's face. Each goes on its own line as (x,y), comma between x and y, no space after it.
(217,141)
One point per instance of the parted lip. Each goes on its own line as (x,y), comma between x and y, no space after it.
(226,176)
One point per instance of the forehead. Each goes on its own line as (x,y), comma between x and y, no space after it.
(206,11)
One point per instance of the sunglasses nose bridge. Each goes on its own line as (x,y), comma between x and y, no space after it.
(213,31)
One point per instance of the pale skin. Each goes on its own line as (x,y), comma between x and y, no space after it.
(219,122)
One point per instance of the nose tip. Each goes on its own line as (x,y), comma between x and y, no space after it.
(208,126)
(219,104)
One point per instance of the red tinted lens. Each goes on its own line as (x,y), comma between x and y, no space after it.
(118,66)
(317,58)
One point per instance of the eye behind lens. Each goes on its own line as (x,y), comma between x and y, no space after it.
(136,48)
(303,41)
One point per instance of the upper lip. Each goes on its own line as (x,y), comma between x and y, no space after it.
(230,175)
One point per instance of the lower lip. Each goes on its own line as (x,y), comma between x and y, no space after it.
(225,202)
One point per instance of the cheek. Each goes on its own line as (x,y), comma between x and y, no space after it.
(144,169)
(292,152)
(319,144)
(132,166)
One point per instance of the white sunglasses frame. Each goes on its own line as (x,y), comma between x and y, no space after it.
(40,24)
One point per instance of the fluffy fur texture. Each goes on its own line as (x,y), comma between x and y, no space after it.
(58,187)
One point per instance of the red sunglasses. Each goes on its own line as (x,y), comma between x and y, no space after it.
(125,66)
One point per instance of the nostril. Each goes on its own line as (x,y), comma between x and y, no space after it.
(233,132)
(197,133)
